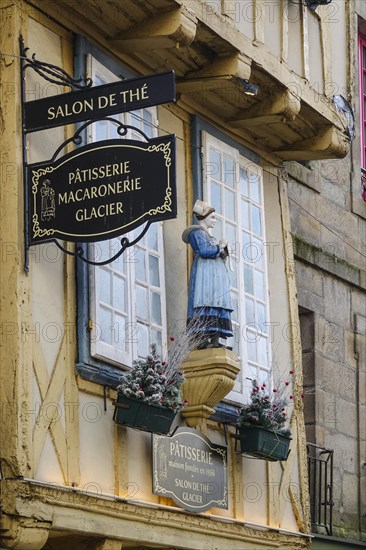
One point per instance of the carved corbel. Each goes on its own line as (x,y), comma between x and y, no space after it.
(283,106)
(227,67)
(24,533)
(329,143)
(176,28)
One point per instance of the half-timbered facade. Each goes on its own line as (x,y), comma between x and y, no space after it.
(255,85)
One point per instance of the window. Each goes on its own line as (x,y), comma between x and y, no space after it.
(127,297)
(233,186)
(362,87)
(362,84)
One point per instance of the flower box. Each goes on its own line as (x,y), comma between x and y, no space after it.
(262,443)
(142,416)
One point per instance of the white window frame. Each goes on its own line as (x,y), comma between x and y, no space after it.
(247,332)
(99,348)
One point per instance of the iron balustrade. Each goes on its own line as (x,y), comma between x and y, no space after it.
(320,471)
(363,184)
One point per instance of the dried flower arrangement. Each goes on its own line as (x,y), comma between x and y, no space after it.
(158,382)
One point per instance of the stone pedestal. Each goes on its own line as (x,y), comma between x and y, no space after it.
(209,376)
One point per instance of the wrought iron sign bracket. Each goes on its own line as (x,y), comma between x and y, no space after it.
(52,73)
(125,243)
(71,198)
(55,75)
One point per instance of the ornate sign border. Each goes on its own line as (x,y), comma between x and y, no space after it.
(165,210)
(206,486)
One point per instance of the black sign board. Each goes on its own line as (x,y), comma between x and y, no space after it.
(99,101)
(191,470)
(102,190)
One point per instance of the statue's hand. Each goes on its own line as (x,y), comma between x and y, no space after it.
(224,250)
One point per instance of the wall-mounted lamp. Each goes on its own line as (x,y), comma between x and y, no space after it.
(313,4)
(248,87)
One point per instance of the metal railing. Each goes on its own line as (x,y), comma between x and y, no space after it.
(363,184)
(320,470)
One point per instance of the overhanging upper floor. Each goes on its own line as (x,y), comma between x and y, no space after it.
(287,118)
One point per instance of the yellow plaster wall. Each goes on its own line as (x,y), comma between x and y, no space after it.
(271,12)
(175,249)
(96,445)
(48,467)
(54,425)
(295,40)
(242,16)
(315,52)
(134,464)
(340,42)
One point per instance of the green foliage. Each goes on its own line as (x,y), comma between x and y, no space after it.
(264,410)
(154,382)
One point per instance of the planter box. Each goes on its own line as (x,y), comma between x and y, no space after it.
(141,416)
(263,443)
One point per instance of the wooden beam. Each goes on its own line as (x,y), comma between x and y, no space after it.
(288,470)
(305,40)
(327,144)
(47,415)
(301,503)
(225,67)
(71,389)
(259,16)
(326,45)
(282,107)
(279,494)
(188,102)
(284,31)
(174,29)
(15,313)
(142,526)
(122,486)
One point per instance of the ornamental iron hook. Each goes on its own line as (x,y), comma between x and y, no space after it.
(53,73)
(125,243)
(78,137)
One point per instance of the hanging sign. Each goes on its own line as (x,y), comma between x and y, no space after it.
(102,190)
(99,101)
(191,470)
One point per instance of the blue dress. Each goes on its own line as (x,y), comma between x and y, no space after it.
(209,287)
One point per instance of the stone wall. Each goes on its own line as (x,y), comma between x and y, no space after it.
(329,243)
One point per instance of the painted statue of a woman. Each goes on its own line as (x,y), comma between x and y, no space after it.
(209,300)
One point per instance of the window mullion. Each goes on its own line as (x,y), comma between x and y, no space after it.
(132,328)
(162,285)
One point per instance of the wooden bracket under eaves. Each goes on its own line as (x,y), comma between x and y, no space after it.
(329,143)
(173,29)
(225,67)
(282,106)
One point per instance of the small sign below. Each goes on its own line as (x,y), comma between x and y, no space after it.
(99,101)
(102,190)
(191,470)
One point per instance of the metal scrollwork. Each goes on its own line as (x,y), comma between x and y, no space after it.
(125,243)
(54,74)
(79,136)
